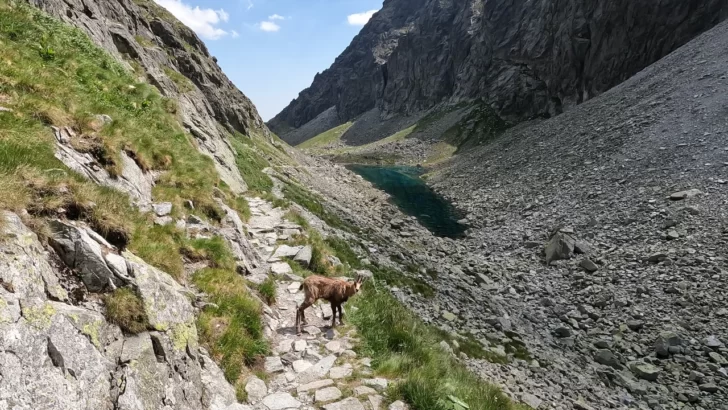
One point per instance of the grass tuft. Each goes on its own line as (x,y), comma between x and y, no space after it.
(232,328)
(267,291)
(214,250)
(404,348)
(126,309)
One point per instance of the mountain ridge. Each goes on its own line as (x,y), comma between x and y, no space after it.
(526,60)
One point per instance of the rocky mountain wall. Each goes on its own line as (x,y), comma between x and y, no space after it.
(524,58)
(144,35)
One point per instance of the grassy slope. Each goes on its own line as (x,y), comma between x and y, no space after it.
(52,74)
(327,137)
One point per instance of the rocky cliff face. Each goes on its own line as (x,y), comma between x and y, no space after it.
(524,58)
(144,35)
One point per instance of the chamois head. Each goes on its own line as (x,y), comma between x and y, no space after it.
(354,287)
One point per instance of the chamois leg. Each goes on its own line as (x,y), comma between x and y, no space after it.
(300,315)
(341,315)
(333,314)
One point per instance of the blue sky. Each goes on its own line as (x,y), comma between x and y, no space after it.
(271,49)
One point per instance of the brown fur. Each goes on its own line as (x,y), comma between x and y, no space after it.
(335,291)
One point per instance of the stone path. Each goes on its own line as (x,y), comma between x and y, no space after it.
(318,369)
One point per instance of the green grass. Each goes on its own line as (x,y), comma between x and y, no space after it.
(144,42)
(327,137)
(52,74)
(393,277)
(214,250)
(404,348)
(267,291)
(295,217)
(126,309)
(184,85)
(315,204)
(231,329)
(343,251)
(251,164)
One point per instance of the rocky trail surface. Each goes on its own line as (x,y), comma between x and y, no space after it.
(317,369)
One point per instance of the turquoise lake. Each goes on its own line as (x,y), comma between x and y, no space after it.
(414,197)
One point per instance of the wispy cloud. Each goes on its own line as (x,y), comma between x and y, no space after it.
(276,17)
(250,4)
(360,19)
(234,34)
(203,21)
(269,26)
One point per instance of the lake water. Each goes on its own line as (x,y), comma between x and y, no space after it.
(414,197)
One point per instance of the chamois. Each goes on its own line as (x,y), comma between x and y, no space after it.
(336,291)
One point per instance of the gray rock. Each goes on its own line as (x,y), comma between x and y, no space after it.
(363,391)
(607,358)
(346,404)
(280,269)
(273,364)
(685,194)
(645,371)
(665,341)
(709,387)
(563,331)
(319,384)
(284,251)
(398,405)
(718,358)
(256,389)
(304,256)
(560,246)
(588,265)
(162,208)
(317,371)
(531,400)
(327,394)
(80,252)
(377,384)
(340,372)
(713,342)
(301,365)
(281,401)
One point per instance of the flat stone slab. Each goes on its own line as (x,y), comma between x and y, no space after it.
(273,364)
(281,401)
(377,384)
(333,346)
(284,251)
(317,371)
(300,345)
(346,404)
(301,366)
(340,372)
(363,391)
(319,384)
(327,394)
(280,268)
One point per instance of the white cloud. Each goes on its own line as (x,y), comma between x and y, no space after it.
(268,26)
(276,17)
(203,21)
(234,34)
(360,19)
(250,4)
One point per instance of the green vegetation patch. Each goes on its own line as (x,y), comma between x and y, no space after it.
(52,75)
(315,204)
(251,163)
(404,348)
(231,327)
(394,277)
(126,309)
(327,137)
(214,250)
(267,291)
(184,85)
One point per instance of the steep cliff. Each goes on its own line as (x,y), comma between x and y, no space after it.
(523,58)
(146,36)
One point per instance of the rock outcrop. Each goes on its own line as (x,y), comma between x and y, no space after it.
(140,32)
(59,355)
(523,58)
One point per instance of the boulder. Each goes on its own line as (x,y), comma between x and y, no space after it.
(162,208)
(304,255)
(80,252)
(677,196)
(665,341)
(645,371)
(560,246)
